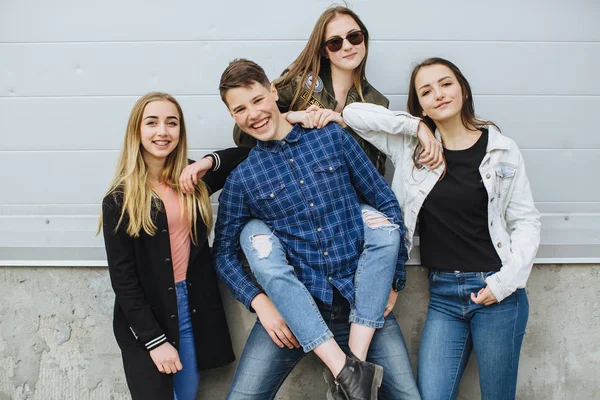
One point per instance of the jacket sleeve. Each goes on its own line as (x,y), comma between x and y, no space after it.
(232,217)
(225,161)
(523,225)
(371,187)
(385,129)
(122,267)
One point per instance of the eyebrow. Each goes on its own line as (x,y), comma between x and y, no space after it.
(439,80)
(347,33)
(169,117)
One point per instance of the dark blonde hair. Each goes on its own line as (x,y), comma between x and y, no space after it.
(312,57)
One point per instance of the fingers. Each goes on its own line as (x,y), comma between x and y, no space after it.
(388,310)
(432,154)
(291,338)
(275,339)
(313,108)
(283,337)
(484,296)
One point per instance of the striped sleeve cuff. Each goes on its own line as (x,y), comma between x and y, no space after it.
(217,161)
(154,343)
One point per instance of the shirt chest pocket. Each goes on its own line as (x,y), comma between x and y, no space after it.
(329,176)
(505,176)
(274,200)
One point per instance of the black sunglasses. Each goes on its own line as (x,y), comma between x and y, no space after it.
(335,43)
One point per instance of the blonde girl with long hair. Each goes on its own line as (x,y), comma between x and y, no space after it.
(168,317)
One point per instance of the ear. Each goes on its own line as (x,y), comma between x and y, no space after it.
(274,91)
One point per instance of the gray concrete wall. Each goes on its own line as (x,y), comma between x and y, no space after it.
(56,340)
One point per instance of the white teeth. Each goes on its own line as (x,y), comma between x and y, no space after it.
(161,142)
(260,124)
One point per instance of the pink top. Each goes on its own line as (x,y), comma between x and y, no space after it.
(179,231)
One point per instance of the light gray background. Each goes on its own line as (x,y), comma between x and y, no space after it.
(70,72)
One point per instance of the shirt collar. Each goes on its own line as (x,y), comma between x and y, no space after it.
(274,146)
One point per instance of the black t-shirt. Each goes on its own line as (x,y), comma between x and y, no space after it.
(453,222)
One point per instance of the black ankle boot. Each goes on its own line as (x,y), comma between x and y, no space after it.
(333,388)
(359,380)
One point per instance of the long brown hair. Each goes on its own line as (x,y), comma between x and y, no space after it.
(312,57)
(467,113)
(131,178)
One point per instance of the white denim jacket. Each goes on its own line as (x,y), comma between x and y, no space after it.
(514,222)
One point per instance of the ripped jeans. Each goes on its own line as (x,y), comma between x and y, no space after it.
(372,279)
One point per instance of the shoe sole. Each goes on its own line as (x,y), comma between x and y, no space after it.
(377,378)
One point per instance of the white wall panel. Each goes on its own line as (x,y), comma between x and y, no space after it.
(71,70)
(139,20)
(94,123)
(84,69)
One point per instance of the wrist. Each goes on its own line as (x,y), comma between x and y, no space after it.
(398,284)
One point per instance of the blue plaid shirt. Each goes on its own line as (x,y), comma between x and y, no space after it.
(306,188)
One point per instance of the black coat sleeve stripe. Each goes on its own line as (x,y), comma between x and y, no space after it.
(228,160)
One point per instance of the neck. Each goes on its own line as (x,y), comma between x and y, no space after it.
(455,135)
(155,168)
(341,78)
(283,128)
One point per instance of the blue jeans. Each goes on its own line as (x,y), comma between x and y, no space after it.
(372,280)
(264,366)
(186,381)
(455,325)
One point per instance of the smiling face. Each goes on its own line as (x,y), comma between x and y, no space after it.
(159,131)
(255,111)
(349,56)
(439,92)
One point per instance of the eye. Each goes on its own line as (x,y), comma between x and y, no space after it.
(446,84)
(425,92)
(151,123)
(239,110)
(173,123)
(258,100)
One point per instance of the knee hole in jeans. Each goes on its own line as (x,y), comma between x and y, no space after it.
(377,220)
(262,244)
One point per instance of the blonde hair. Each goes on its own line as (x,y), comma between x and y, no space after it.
(313,56)
(131,178)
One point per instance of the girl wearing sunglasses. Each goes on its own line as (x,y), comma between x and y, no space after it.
(329,73)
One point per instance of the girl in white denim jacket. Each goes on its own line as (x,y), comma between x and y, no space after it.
(486,309)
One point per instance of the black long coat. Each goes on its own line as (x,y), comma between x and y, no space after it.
(145,312)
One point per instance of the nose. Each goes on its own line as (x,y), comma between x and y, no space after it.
(438,93)
(346,45)
(253,113)
(162,128)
